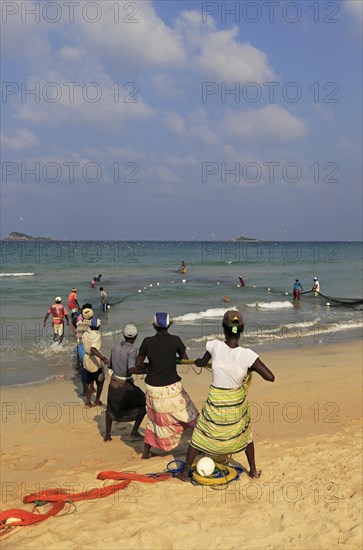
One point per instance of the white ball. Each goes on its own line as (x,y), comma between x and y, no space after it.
(205,466)
(286,293)
(218,283)
(328,303)
(108,307)
(139,290)
(184,281)
(150,284)
(269,289)
(157,284)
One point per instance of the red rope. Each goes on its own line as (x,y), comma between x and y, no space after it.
(59,497)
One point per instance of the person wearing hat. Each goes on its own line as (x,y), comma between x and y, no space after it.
(224,426)
(93,360)
(297,290)
(125,401)
(74,306)
(83,323)
(170,411)
(316,287)
(59,313)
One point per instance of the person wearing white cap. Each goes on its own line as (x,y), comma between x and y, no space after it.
(93,361)
(170,411)
(59,313)
(316,287)
(125,401)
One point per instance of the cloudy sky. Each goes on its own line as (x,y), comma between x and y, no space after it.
(182,120)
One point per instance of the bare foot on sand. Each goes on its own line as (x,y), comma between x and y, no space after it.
(182,476)
(255,473)
(98,402)
(145,456)
(107,438)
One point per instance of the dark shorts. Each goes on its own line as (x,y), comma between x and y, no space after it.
(125,400)
(98,376)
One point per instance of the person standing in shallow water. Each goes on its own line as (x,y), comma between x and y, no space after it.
(59,313)
(170,411)
(224,426)
(297,290)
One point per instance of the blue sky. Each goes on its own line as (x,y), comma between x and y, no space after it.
(133,131)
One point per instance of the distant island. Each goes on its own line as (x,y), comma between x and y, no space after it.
(16,236)
(243,238)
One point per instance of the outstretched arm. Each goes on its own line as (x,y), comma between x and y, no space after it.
(202,361)
(262,370)
(94,351)
(45,318)
(140,367)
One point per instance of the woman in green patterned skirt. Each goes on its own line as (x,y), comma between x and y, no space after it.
(224,426)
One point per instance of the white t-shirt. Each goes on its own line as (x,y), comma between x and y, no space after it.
(229,365)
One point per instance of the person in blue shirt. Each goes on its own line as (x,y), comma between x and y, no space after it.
(297,289)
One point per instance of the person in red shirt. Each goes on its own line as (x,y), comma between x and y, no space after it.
(59,313)
(74,306)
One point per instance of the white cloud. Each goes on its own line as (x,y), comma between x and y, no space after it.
(205,135)
(167,86)
(139,38)
(218,53)
(22,139)
(175,123)
(176,161)
(269,123)
(355,7)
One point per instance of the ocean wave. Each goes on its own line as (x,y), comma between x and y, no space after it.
(291,332)
(208,314)
(16,274)
(111,332)
(270,305)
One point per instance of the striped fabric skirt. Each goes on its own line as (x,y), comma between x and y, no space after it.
(224,425)
(170,411)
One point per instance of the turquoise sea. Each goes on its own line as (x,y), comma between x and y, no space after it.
(142,278)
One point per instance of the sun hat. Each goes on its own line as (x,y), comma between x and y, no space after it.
(130,331)
(161,320)
(73,290)
(58,299)
(87,313)
(95,323)
(233,318)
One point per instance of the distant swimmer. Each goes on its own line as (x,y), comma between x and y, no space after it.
(297,289)
(59,313)
(97,279)
(93,282)
(74,306)
(226,298)
(316,286)
(242,282)
(183,268)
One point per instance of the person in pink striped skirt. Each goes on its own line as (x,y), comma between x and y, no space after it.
(170,411)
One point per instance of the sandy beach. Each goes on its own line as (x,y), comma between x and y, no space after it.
(307,432)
